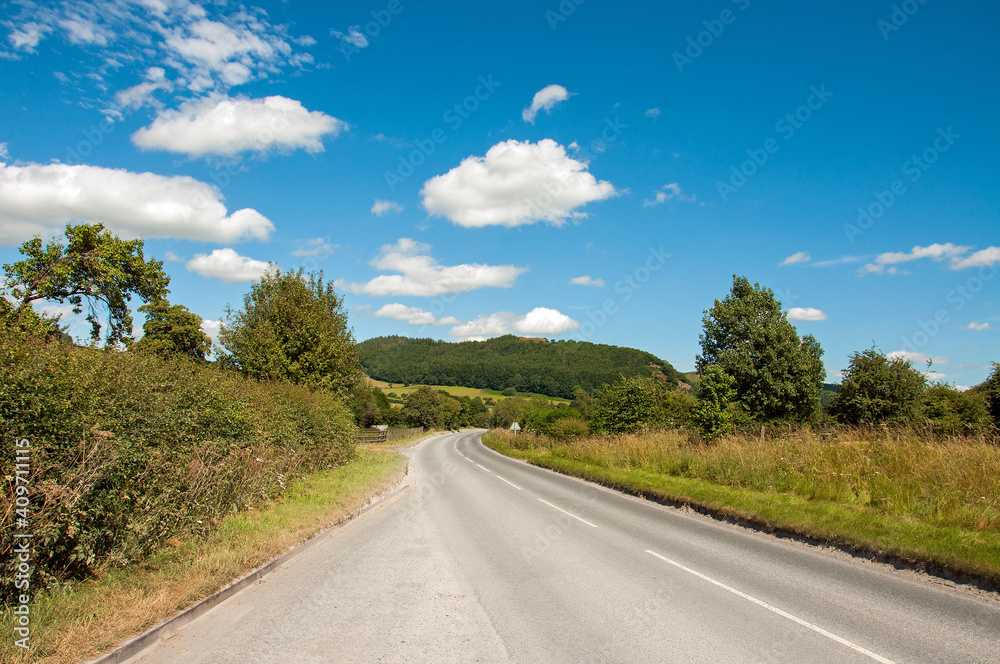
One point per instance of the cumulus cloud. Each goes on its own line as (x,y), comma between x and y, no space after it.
(413,315)
(225,126)
(42,199)
(420,274)
(978,326)
(797,257)
(317,246)
(212,329)
(652,113)
(982,258)
(228,52)
(668,191)
(382,208)
(540,320)
(515,183)
(353,36)
(937,252)
(227,265)
(586,280)
(544,99)
(917,358)
(805,313)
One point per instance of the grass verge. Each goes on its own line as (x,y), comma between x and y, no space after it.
(966,551)
(80,621)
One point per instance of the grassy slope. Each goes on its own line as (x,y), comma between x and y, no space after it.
(88,618)
(470,392)
(968,552)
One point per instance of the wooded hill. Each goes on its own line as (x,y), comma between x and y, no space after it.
(527,364)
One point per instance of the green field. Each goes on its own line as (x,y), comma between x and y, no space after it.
(471,392)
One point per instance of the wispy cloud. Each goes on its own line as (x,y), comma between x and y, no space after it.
(382,208)
(668,192)
(586,280)
(797,257)
(652,113)
(545,99)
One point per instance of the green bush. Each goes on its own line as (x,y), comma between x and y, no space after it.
(130,449)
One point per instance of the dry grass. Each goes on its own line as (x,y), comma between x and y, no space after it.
(80,621)
(934,503)
(952,482)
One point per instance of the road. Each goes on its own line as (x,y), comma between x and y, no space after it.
(486,559)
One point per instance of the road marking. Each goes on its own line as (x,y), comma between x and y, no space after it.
(509,482)
(567,513)
(783,614)
(483,467)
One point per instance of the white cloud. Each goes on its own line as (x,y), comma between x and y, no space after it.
(420,274)
(142,93)
(838,261)
(917,358)
(545,99)
(539,320)
(172,257)
(586,280)
(515,183)
(26,36)
(668,191)
(317,246)
(4,155)
(227,265)
(354,36)
(227,51)
(81,30)
(805,313)
(42,199)
(413,315)
(797,257)
(937,252)
(226,126)
(982,258)
(934,375)
(652,113)
(212,329)
(978,326)
(382,208)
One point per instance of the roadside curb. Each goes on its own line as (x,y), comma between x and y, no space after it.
(137,644)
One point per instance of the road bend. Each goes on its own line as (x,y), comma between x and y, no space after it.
(487,559)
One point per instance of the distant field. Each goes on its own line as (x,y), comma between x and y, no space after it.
(470,392)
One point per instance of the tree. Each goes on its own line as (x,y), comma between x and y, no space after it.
(424,407)
(993,394)
(952,412)
(713,413)
(775,374)
(627,405)
(172,329)
(93,270)
(877,389)
(293,327)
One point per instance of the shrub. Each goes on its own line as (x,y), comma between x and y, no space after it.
(130,449)
(877,389)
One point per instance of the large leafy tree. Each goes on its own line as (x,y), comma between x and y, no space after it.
(879,389)
(172,329)
(776,375)
(94,271)
(293,327)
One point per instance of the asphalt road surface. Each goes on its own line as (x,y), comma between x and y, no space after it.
(486,559)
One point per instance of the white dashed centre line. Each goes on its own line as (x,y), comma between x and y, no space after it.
(567,513)
(783,614)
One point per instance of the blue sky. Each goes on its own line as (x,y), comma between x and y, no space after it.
(575,169)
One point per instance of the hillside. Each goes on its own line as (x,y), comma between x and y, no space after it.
(554,368)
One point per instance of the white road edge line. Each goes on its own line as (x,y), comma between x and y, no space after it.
(567,513)
(783,614)
(509,482)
